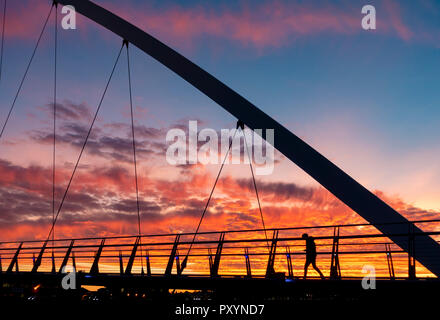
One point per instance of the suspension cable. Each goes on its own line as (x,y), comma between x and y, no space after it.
(54,118)
(3,37)
(255,185)
(134,155)
(26,72)
(85,142)
(183,265)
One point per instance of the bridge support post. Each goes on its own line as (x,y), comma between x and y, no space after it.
(289,263)
(216,264)
(132,256)
(270,271)
(66,256)
(389,261)
(95,266)
(14,260)
(248,263)
(335,269)
(1,268)
(172,257)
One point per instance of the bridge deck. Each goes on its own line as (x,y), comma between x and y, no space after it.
(45,286)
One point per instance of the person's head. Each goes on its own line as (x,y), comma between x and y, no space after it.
(305,236)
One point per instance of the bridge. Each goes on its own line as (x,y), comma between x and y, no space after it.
(263,258)
(243,262)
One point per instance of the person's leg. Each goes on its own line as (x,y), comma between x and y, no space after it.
(306,266)
(317,269)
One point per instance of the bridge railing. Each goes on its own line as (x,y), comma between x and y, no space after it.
(342,251)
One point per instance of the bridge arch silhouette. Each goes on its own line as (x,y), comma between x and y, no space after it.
(345,188)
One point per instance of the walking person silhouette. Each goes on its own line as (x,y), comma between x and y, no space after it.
(310,255)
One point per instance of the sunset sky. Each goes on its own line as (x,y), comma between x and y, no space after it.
(367,100)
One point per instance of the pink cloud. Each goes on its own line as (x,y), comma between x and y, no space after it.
(264,25)
(271,24)
(25,19)
(396,23)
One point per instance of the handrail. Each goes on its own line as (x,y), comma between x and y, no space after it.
(222,231)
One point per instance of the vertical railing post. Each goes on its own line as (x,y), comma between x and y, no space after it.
(390,261)
(210,260)
(66,256)
(218,254)
(270,271)
(73,260)
(121,264)
(289,262)
(95,266)
(39,258)
(53,262)
(132,256)
(172,257)
(248,263)
(411,253)
(178,266)
(335,269)
(14,261)
(147,260)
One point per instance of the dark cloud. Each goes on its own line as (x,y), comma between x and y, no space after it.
(113,141)
(100,144)
(19,206)
(240,220)
(279,189)
(68,110)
